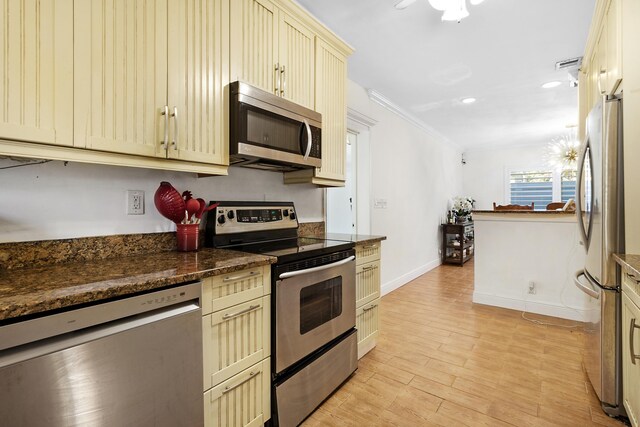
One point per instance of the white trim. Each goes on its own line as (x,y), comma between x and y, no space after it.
(360,118)
(394,108)
(560,311)
(407,277)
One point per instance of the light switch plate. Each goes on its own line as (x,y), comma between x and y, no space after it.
(380,203)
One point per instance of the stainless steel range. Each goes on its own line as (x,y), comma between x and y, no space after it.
(314,345)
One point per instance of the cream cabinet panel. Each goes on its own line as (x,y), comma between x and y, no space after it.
(367,282)
(241,401)
(254,36)
(36,78)
(198,43)
(366,253)
(631,367)
(296,59)
(235,339)
(331,102)
(614,47)
(223,291)
(368,325)
(121,75)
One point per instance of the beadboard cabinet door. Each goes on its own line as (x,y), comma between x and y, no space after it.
(631,365)
(36,76)
(296,57)
(198,43)
(121,76)
(254,50)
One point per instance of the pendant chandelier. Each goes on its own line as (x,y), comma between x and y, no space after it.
(453,10)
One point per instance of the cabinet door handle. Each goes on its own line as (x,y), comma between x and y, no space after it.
(228,316)
(632,277)
(369,247)
(632,327)
(367,267)
(277,78)
(174,114)
(371,307)
(240,276)
(252,374)
(165,113)
(284,81)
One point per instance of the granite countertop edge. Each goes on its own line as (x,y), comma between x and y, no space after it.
(35,291)
(358,239)
(629,261)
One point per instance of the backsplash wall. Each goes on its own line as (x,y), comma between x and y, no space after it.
(54,201)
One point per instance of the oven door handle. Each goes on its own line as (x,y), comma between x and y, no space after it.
(289,274)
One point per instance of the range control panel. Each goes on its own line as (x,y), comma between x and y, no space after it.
(241,219)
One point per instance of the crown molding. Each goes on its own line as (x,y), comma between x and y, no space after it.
(394,108)
(360,118)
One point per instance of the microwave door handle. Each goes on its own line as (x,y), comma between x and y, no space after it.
(306,125)
(592,293)
(289,274)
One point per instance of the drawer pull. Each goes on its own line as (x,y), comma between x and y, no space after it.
(228,388)
(370,247)
(241,276)
(371,307)
(368,267)
(632,277)
(632,327)
(228,316)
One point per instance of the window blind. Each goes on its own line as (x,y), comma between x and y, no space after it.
(531,186)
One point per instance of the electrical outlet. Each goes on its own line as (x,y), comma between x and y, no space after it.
(532,288)
(135,202)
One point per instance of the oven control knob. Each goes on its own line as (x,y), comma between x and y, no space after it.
(292,216)
(285,212)
(230,215)
(221,219)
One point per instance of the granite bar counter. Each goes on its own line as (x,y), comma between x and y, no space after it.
(34,290)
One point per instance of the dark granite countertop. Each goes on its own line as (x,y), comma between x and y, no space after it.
(27,291)
(343,237)
(630,262)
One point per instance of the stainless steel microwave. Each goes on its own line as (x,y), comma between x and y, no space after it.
(270,132)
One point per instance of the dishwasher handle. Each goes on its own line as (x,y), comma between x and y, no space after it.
(587,290)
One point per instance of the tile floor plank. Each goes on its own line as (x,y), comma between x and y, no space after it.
(443,361)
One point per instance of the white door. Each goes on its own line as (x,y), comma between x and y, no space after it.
(341,201)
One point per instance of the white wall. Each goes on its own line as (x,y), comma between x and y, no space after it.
(484,174)
(417,175)
(53,201)
(513,250)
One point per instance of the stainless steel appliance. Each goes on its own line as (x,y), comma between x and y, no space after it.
(314,344)
(130,362)
(270,132)
(600,211)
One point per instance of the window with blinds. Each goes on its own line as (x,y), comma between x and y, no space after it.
(532,186)
(568,185)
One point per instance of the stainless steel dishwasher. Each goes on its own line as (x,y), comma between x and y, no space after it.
(130,362)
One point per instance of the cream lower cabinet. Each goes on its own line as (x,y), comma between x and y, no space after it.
(631,348)
(36,78)
(367,296)
(149,78)
(236,348)
(272,50)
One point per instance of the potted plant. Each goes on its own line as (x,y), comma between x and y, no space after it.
(462,207)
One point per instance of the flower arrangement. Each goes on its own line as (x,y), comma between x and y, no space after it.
(462,205)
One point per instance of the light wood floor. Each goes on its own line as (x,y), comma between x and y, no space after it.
(443,361)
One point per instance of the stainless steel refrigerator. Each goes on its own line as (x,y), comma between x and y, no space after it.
(600,211)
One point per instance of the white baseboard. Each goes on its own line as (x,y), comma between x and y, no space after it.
(561,311)
(406,278)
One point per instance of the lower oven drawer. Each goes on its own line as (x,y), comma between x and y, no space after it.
(300,393)
(242,400)
(368,325)
(235,338)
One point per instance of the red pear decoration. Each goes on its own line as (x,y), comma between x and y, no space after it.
(169,202)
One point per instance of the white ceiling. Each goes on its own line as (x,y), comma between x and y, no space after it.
(501,54)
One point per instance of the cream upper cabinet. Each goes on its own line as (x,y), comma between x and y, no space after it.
(36,78)
(631,358)
(614,47)
(272,50)
(149,78)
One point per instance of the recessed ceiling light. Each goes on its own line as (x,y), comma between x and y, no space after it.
(468,100)
(549,85)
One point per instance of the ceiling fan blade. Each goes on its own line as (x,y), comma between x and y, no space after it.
(403,4)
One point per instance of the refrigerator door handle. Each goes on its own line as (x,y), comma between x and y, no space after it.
(587,290)
(579,213)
